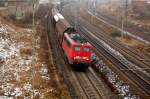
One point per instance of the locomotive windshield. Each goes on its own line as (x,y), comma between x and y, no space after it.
(77,48)
(86,49)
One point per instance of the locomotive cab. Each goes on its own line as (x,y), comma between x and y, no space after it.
(77,49)
(82,54)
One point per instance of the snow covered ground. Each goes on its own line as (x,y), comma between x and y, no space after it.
(22,74)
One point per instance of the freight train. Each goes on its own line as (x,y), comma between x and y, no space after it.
(77,49)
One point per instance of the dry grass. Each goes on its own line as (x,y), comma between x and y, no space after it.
(26,51)
(130,42)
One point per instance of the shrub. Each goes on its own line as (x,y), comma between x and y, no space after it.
(116,34)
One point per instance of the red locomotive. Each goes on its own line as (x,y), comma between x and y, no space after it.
(76,48)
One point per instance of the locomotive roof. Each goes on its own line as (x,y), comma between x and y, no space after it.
(77,38)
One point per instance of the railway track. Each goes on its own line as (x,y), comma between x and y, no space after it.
(88,87)
(145,78)
(94,79)
(142,83)
(93,88)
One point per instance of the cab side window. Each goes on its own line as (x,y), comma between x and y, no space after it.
(68,43)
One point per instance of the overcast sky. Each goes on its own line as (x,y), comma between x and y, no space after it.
(44,1)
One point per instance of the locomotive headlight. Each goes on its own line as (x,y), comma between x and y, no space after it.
(86,58)
(76,57)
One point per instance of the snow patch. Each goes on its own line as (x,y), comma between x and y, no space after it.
(44,72)
(122,88)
